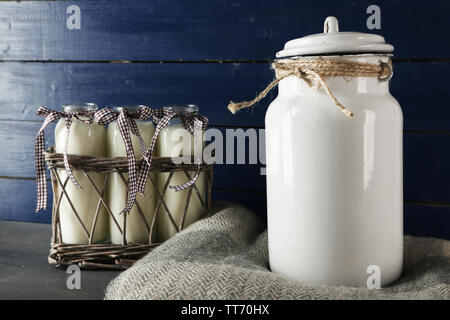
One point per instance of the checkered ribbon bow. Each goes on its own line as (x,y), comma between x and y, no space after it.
(192,122)
(41,180)
(126,123)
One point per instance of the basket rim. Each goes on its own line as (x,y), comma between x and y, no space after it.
(108,164)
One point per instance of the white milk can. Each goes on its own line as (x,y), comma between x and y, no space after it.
(90,140)
(334,161)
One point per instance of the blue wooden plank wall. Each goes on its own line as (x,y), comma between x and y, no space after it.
(207,52)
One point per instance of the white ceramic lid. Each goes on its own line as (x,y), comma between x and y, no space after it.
(332,41)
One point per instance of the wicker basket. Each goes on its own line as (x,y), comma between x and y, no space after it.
(113,256)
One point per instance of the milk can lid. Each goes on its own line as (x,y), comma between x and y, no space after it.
(332,41)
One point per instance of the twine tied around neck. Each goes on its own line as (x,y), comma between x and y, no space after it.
(314,71)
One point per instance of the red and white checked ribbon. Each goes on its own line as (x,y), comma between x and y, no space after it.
(39,147)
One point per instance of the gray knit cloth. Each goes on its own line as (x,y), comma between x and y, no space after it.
(225,257)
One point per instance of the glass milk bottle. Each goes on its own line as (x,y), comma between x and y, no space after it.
(174,141)
(84,139)
(136,229)
(334,183)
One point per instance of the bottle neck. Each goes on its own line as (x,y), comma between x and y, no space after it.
(130,109)
(181,109)
(73,108)
(341,85)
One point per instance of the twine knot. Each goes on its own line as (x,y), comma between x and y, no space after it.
(314,71)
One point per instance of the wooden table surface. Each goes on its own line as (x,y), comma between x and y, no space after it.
(26,274)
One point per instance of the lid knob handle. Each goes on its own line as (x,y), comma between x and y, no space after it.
(331,25)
